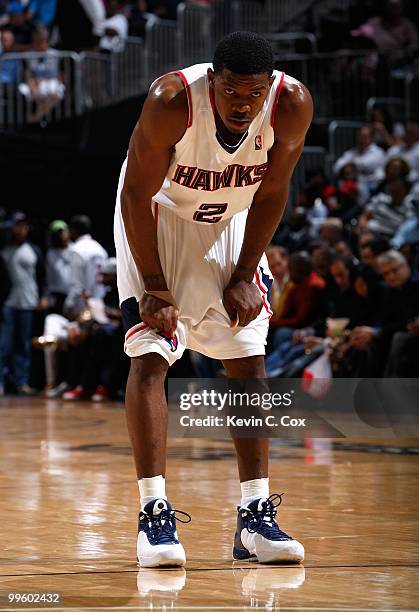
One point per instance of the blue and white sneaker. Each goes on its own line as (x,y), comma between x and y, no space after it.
(258,536)
(157,542)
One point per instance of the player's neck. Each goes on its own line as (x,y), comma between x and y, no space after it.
(227,137)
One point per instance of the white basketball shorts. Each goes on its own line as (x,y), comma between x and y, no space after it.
(198,261)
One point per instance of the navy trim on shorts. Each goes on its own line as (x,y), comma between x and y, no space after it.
(130,313)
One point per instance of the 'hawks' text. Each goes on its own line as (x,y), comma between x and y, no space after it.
(234,175)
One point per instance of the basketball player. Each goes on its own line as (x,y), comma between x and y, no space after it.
(200,195)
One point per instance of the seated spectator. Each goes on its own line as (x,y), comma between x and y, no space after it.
(294,233)
(331,231)
(395,168)
(25,268)
(164,9)
(409,150)
(278,265)
(366,156)
(20,27)
(41,12)
(43,80)
(303,305)
(389,31)
(114,28)
(370,250)
(387,211)
(398,308)
(386,132)
(408,232)
(11,69)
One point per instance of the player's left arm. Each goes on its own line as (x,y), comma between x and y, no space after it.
(292,120)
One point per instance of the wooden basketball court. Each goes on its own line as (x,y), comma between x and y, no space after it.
(69,505)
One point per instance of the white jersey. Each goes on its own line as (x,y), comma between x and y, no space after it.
(200,213)
(205,183)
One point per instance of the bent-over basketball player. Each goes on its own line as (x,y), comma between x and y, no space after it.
(200,195)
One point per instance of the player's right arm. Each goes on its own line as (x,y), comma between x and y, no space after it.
(162,123)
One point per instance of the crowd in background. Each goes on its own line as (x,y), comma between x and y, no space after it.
(345,262)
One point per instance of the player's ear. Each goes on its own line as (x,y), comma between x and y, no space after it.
(211,77)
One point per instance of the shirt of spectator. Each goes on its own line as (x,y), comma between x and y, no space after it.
(387,211)
(41,12)
(408,232)
(294,233)
(18,24)
(366,156)
(58,268)
(409,150)
(114,28)
(87,257)
(386,132)
(390,30)
(278,265)
(11,69)
(304,300)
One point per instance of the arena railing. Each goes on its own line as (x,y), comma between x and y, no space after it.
(341,136)
(55,95)
(397,107)
(160,48)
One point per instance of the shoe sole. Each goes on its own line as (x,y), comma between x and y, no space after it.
(176,561)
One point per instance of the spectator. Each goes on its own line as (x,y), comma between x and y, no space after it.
(370,250)
(43,81)
(21,29)
(331,231)
(11,69)
(41,12)
(25,268)
(399,307)
(386,133)
(115,28)
(409,150)
(79,23)
(278,265)
(395,168)
(303,305)
(387,211)
(87,257)
(408,232)
(390,31)
(294,233)
(58,265)
(366,156)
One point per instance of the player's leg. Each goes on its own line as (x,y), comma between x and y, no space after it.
(258,534)
(146,407)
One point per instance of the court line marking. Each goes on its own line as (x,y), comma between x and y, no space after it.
(220,569)
(193,607)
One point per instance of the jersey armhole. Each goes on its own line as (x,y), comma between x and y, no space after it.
(188,95)
(275,104)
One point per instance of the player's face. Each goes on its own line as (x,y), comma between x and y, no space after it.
(239,98)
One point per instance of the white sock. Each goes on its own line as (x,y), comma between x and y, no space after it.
(254,489)
(151,488)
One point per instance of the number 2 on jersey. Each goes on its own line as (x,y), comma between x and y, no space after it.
(210,213)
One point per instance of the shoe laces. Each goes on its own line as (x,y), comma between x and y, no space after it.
(263,521)
(161,527)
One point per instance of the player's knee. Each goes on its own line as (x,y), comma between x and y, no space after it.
(149,369)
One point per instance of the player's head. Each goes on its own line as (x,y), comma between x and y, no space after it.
(241,78)
(79,226)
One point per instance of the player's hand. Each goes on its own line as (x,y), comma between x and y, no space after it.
(243,302)
(158,314)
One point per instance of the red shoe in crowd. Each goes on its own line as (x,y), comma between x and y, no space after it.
(101,394)
(76,395)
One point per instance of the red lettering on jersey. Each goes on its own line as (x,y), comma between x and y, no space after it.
(202,180)
(224,178)
(244,176)
(258,173)
(184,175)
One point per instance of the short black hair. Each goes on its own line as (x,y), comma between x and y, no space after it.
(244,53)
(81,224)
